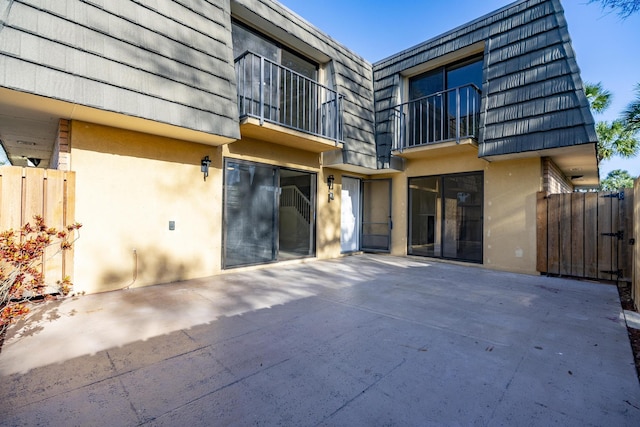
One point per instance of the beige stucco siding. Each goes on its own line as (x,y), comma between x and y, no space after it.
(129,186)
(509,205)
(510,214)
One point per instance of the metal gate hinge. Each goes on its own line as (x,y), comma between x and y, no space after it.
(619,196)
(619,234)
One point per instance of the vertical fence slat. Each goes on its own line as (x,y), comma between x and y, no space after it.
(565,234)
(11,202)
(69,219)
(33,194)
(541,232)
(591,235)
(626,249)
(616,261)
(553,255)
(577,234)
(605,245)
(54,217)
(33,199)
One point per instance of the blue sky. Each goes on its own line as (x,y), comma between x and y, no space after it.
(606,46)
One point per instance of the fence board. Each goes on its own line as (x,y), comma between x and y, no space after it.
(11,202)
(32,194)
(69,219)
(577,234)
(591,235)
(615,241)
(553,233)
(605,243)
(565,234)
(54,213)
(541,231)
(626,249)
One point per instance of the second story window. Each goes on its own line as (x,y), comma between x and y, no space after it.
(444,103)
(246,39)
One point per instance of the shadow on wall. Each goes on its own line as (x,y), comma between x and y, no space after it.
(148,267)
(126,143)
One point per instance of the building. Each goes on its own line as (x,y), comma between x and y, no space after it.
(206,136)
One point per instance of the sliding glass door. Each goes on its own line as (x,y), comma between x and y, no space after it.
(445,217)
(269,213)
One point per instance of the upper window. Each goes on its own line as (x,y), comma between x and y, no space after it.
(448,77)
(246,39)
(443,104)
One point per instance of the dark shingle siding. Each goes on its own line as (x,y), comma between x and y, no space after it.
(532,90)
(168,63)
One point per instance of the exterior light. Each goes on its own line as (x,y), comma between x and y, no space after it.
(330,180)
(204,166)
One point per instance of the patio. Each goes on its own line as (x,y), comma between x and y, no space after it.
(362,340)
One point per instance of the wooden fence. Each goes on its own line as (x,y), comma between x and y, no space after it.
(636,247)
(26,192)
(586,235)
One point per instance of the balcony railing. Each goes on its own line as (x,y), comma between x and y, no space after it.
(450,115)
(273,93)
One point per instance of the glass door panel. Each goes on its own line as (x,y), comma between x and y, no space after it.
(425,117)
(376,215)
(445,216)
(425,217)
(464,102)
(462,217)
(296,232)
(250,214)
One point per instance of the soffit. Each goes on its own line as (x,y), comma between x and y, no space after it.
(29,125)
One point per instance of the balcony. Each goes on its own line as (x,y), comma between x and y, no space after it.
(282,106)
(451,116)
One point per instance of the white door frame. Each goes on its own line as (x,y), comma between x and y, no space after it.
(351,214)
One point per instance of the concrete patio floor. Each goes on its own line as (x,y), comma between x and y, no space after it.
(364,340)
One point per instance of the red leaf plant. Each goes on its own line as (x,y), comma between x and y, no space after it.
(21,261)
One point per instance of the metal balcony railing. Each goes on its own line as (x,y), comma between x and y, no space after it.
(273,93)
(450,115)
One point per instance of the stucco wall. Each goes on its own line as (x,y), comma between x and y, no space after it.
(509,205)
(129,186)
(510,214)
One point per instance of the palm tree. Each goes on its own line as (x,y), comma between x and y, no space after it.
(614,138)
(598,97)
(616,180)
(631,116)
